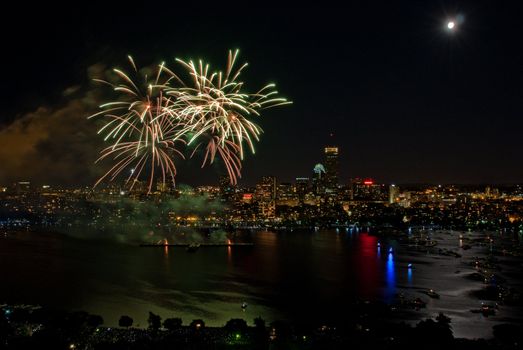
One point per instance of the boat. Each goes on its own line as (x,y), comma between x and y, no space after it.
(431,293)
(193,247)
(486,310)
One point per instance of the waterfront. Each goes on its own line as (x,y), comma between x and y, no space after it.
(295,276)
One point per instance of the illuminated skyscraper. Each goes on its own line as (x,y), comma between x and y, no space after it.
(227,190)
(318,179)
(286,191)
(266,189)
(266,196)
(394,192)
(368,190)
(331,169)
(302,187)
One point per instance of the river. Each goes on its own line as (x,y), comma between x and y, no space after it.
(285,275)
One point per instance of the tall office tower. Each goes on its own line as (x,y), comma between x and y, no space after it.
(302,187)
(266,189)
(286,192)
(227,190)
(265,196)
(318,179)
(394,192)
(368,190)
(331,169)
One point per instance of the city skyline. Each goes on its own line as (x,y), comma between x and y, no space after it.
(415,103)
(329,163)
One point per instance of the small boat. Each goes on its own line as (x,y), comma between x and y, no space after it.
(486,310)
(431,293)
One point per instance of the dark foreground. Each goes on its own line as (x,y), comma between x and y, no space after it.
(26,327)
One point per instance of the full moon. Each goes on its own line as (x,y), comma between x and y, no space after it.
(451,25)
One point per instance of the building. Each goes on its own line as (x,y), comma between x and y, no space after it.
(265,195)
(227,189)
(302,188)
(287,194)
(368,191)
(166,186)
(318,179)
(331,169)
(22,187)
(266,189)
(394,192)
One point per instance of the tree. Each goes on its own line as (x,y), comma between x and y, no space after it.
(260,330)
(443,320)
(154,321)
(236,325)
(74,323)
(435,332)
(259,323)
(172,324)
(125,321)
(444,326)
(94,321)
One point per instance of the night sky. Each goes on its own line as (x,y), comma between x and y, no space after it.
(407,101)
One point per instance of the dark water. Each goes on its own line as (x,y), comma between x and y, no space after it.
(286,275)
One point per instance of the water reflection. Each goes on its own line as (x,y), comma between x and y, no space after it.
(287,276)
(390,279)
(368,266)
(278,276)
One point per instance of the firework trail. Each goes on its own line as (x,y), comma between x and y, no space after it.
(217,111)
(207,110)
(141,124)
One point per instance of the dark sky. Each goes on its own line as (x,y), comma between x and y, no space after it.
(407,101)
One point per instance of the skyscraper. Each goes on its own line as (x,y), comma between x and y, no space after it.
(394,191)
(302,187)
(331,169)
(266,197)
(369,191)
(318,179)
(227,190)
(266,188)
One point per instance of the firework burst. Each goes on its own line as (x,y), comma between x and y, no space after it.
(154,113)
(141,125)
(217,111)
